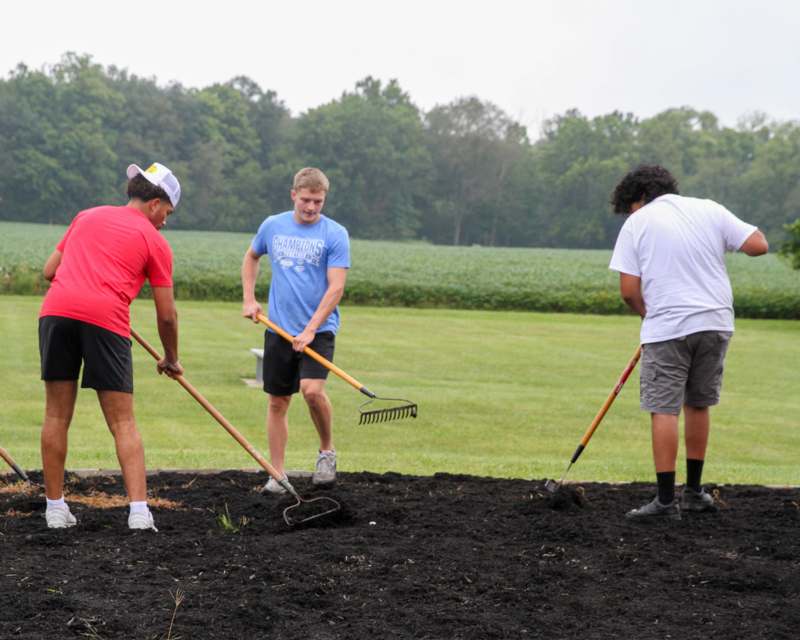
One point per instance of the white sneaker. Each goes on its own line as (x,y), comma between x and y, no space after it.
(273,486)
(141,521)
(325,471)
(59,517)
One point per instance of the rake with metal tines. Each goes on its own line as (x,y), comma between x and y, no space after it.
(407,409)
(305,509)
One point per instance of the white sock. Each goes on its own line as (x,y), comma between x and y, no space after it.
(52,504)
(139,507)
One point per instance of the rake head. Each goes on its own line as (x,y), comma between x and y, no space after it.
(307,509)
(406,410)
(310,509)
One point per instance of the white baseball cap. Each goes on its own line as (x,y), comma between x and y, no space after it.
(160,176)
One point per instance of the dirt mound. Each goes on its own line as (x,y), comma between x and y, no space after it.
(406,557)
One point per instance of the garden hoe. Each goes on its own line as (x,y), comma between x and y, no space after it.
(311,508)
(551,485)
(17,469)
(407,409)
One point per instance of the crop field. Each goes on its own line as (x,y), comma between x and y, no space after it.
(420,275)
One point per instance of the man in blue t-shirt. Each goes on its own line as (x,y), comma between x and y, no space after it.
(310,256)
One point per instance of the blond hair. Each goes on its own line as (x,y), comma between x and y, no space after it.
(312,179)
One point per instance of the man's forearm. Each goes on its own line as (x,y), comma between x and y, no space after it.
(249,278)
(325,308)
(630,289)
(168,332)
(51,266)
(167,321)
(636,303)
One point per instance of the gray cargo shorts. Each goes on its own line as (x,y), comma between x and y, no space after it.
(686,370)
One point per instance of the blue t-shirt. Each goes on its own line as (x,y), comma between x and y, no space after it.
(301,255)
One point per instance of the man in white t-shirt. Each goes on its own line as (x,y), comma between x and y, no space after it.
(670,257)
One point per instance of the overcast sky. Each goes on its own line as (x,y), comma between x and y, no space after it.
(533,59)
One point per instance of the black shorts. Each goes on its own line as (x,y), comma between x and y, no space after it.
(284,367)
(64,343)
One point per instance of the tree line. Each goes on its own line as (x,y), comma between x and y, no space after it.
(461,173)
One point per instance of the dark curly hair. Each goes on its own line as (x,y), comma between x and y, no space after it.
(646,182)
(141,188)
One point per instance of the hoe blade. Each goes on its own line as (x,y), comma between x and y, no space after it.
(552,486)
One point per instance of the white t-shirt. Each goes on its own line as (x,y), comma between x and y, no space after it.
(677,246)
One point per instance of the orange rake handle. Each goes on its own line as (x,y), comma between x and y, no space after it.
(607,404)
(313,354)
(215,414)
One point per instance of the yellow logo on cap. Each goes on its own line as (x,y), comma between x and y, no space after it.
(152,169)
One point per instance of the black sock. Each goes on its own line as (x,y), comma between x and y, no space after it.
(694,471)
(666,486)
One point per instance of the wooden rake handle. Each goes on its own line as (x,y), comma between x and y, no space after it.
(313,354)
(607,404)
(214,413)
(5,455)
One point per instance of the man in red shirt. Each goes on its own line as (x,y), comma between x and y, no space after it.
(96,271)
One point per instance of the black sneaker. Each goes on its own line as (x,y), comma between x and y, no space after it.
(655,510)
(697,501)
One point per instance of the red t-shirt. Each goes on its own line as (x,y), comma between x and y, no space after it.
(107,253)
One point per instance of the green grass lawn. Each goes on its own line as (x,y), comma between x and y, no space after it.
(505,394)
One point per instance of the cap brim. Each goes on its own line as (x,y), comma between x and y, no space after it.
(133,171)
